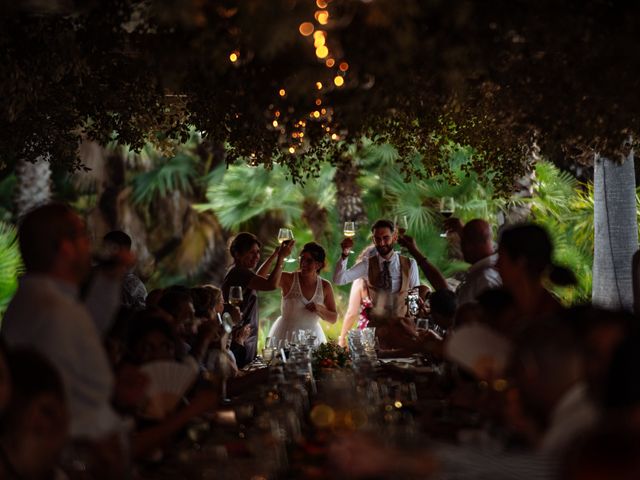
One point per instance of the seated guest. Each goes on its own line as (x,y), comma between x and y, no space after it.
(525,255)
(443,305)
(153,297)
(45,315)
(476,244)
(153,339)
(134,293)
(599,333)
(35,426)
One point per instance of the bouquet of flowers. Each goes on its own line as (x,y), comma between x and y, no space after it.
(365,312)
(331,355)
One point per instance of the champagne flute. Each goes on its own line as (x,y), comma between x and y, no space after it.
(285,235)
(235,296)
(447,207)
(349,231)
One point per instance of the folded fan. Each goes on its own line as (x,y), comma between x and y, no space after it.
(168,382)
(479,350)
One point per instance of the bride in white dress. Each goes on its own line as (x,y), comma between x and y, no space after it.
(306,298)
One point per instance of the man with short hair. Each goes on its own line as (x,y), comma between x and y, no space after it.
(476,243)
(389,274)
(134,293)
(46,315)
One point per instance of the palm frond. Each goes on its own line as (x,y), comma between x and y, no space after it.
(10,264)
(176,173)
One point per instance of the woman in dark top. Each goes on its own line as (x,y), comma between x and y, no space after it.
(245,251)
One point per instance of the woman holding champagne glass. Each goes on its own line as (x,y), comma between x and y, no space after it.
(245,251)
(306,297)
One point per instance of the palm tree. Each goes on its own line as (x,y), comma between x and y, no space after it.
(616,233)
(10,264)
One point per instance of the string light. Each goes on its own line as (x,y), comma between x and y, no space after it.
(321,3)
(292,150)
(318,102)
(330,62)
(316,114)
(344,66)
(306,29)
(322,52)
(282,92)
(234,56)
(319,85)
(322,16)
(338,80)
(323,111)
(334,137)
(275,123)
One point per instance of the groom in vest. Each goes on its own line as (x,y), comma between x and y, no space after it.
(390,276)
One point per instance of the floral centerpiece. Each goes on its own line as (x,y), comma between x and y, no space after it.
(330,355)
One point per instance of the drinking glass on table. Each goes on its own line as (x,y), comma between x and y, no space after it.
(285,235)
(447,207)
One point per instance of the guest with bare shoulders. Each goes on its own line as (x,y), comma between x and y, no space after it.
(306,297)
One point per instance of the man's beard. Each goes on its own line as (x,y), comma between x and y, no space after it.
(384,250)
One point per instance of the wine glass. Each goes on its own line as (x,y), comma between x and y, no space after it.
(447,207)
(349,231)
(285,235)
(235,296)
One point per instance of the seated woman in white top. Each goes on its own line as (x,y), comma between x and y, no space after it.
(306,297)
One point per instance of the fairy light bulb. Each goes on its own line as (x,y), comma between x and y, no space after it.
(234,56)
(282,92)
(338,80)
(322,17)
(322,52)
(306,29)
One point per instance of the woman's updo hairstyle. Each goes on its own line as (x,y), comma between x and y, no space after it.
(316,251)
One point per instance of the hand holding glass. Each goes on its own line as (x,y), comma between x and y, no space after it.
(447,207)
(349,231)
(285,235)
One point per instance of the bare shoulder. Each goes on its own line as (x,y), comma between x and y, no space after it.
(326,284)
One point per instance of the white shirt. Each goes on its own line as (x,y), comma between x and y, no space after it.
(574,413)
(342,276)
(45,315)
(481,276)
